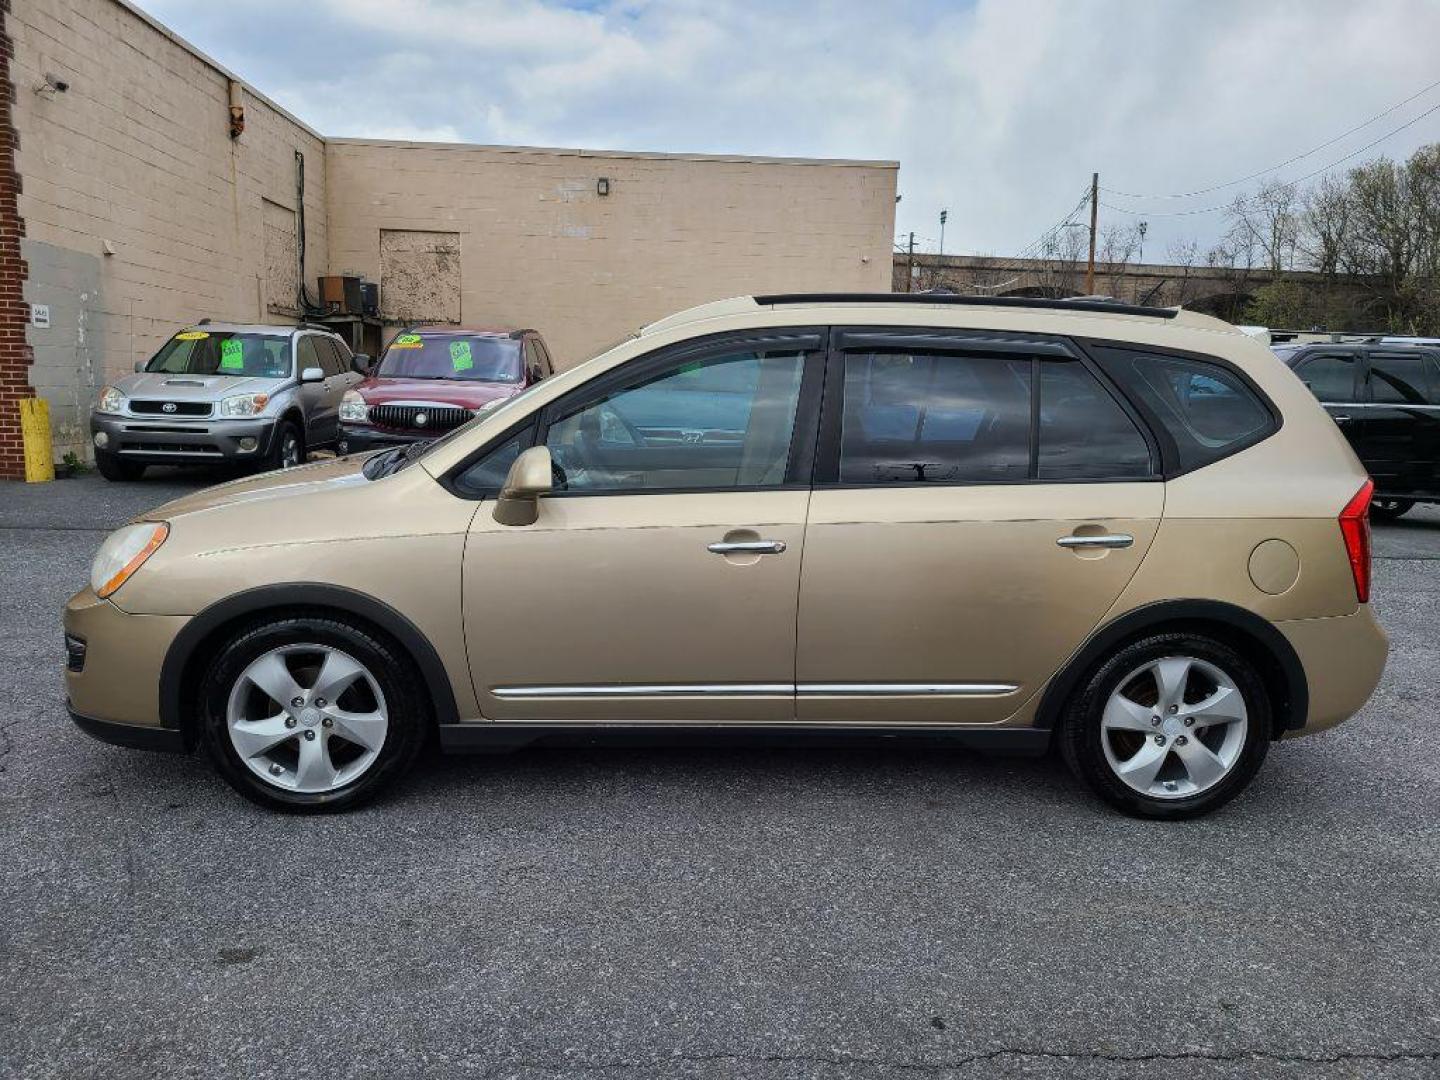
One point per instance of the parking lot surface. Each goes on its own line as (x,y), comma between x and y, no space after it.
(698,913)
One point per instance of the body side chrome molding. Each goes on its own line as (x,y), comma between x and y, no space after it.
(756,689)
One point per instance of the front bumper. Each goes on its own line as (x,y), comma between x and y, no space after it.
(357,438)
(158,440)
(119,656)
(134,736)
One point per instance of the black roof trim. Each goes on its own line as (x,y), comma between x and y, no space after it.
(1108,307)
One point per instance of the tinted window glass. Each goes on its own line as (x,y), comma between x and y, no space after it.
(723,422)
(546,367)
(487,475)
(1399,377)
(1206,409)
(439,355)
(1084,433)
(1330,377)
(934,418)
(329,350)
(307,355)
(204,352)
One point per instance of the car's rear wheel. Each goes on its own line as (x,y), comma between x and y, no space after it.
(311,713)
(1171,726)
(113,467)
(1386,509)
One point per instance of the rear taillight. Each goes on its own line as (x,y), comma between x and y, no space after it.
(1355,528)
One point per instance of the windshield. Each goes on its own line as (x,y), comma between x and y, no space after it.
(220,352)
(467,357)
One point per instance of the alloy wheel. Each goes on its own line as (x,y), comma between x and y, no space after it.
(1174,727)
(290,450)
(307,718)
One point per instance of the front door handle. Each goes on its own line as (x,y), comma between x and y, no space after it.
(1108,540)
(1341,419)
(747,547)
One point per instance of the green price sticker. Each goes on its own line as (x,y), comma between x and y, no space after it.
(460,356)
(232,354)
(406,341)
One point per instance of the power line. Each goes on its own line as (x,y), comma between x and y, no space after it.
(1283,164)
(1297,180)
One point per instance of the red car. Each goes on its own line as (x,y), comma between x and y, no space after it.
(429,381)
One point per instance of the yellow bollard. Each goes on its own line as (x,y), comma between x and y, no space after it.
(35,431)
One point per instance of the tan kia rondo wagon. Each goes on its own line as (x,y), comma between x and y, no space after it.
(1004,523)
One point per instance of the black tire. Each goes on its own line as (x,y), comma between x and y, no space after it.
(287,447)
(1387,509)
(112,467)
(1081,734)
(406,706)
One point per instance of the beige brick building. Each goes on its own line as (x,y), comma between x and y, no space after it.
(138,211)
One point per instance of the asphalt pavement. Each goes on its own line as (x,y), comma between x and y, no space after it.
(694,913)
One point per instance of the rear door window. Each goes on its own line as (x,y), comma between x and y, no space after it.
(957,418)
(1204,410)
(1401,378)
(1330,376)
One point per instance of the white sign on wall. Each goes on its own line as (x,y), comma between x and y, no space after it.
(40,316)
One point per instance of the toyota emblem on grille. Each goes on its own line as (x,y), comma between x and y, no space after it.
(169,406)
(421,419)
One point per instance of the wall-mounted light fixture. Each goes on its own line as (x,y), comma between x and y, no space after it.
(602,186)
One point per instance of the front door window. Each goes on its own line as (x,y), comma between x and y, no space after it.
(717,423)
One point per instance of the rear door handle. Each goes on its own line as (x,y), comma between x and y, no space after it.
(747,547)
(1109,540)
(1341,419)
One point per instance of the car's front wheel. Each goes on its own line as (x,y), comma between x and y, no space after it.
(311,712)
(1171,726)
(287,448)
(114,467)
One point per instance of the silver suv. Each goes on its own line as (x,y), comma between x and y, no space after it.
(226,393)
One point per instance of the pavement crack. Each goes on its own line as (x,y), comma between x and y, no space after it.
(978,1058)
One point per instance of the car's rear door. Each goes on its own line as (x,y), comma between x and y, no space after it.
(1398,428)
(980,502)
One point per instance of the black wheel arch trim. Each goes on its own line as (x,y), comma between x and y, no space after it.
(160,739)
(176,665)
(1291,710)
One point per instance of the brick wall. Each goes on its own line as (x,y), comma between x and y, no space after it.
(142,213)
(539,246)
(14,314)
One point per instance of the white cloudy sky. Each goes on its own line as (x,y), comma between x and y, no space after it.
(996,109)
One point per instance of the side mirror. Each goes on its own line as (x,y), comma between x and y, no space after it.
(361,363)
(528,479)
(139,366)
(312,374)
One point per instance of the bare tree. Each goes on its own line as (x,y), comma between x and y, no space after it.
(1118,245)
(1267,224)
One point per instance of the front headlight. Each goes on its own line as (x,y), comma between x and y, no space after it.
(123,552)
(244,405)
(110,400)
(353,408)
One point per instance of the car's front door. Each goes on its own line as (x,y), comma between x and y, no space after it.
(1398,425)
(979,506)
(1335,377)
(659,583)
(317,397)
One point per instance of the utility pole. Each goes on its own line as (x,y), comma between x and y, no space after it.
(943,215)
(910,266)
(1094,218)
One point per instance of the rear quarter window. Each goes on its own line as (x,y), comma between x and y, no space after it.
(1201,410)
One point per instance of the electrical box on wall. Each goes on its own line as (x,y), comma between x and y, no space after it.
(40,316)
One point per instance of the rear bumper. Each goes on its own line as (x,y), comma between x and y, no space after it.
(1344,658)
(158,440)
(134,736)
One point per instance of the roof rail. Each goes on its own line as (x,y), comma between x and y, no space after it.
(1103,306)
